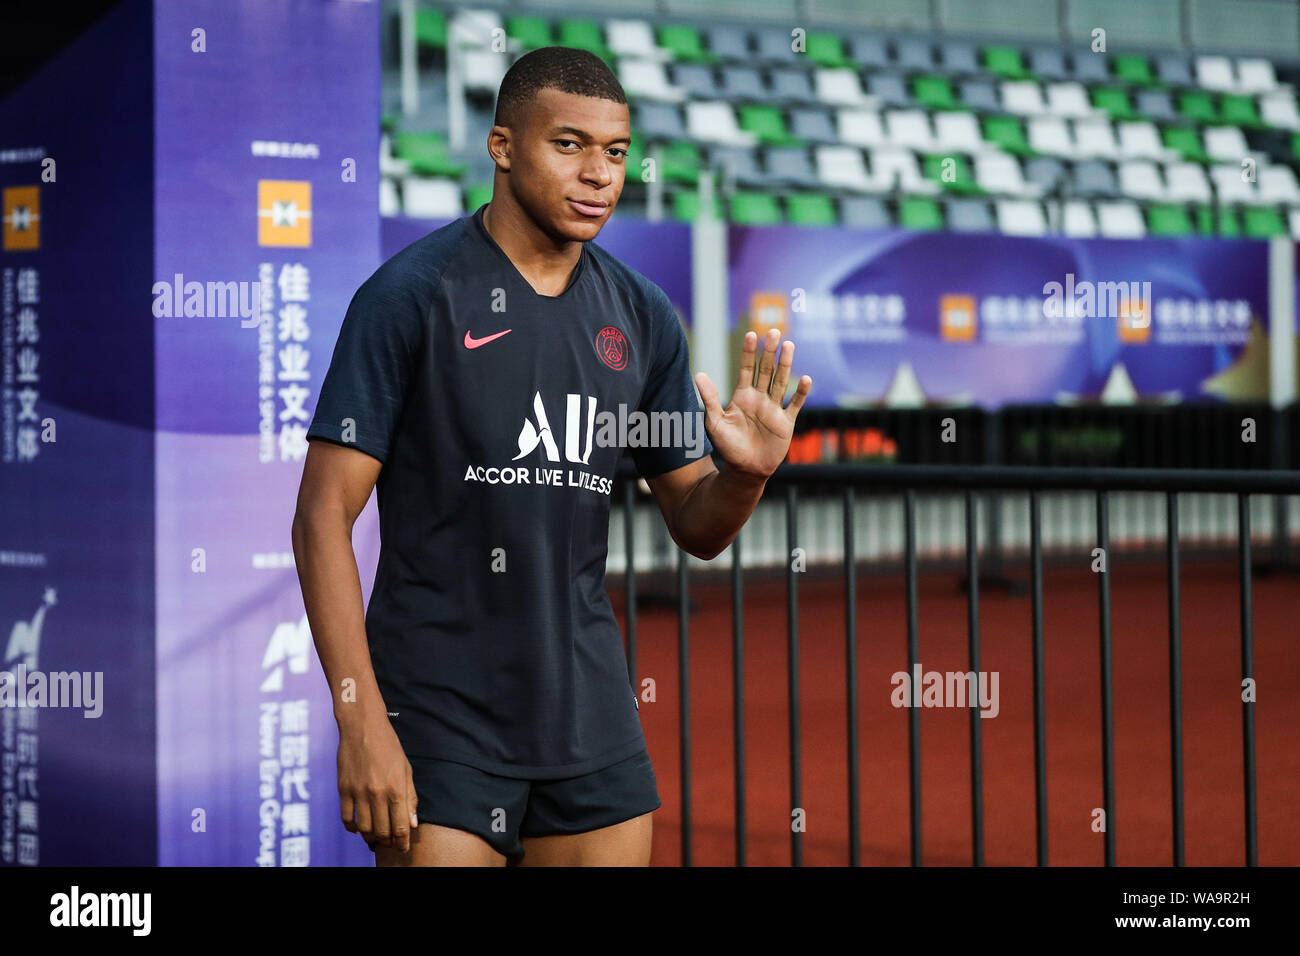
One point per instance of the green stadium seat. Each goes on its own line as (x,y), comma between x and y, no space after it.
(1114,100)
(1204,220)
(767,123)
(1198,106)
(686,205)
(427,154)
(919,212)
(1185,140)
(934,92)
(684,43)
(1006,133)
(1241,111)
(1295,145)
(1229,227)
(755,209)
(1004,61)
(531,32)
(826,49)
(1167,220)
(680,162)
(811,209)
(476,196)
(431,28)
(1262,222)
(584,35)
(961,182)
(1134,70)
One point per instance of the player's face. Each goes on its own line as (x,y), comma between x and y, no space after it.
(566,164)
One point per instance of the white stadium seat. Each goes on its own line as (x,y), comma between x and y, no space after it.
(713,121)
(860,127)
(840,87)
(1121,220)
(1021,217)
(432,198)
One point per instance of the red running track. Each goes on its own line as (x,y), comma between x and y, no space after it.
(1212,720)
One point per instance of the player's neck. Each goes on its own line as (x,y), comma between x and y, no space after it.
(545,265)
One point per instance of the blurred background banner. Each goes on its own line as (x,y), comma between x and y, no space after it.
(907,318)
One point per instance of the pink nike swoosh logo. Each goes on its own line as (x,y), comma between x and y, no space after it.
(473,343)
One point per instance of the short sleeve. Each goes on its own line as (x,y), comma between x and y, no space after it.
(670,388)
(363,393)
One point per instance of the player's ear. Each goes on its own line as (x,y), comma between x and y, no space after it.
(499,147)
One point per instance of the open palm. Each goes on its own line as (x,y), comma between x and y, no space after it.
(752,434)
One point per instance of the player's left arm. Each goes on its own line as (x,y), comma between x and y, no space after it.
(705,506)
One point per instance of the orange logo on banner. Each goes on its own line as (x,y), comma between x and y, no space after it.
(1134,323)
(957,318)
(767,311)
(22,218)
(283,212)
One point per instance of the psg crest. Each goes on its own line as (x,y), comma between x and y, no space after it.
(611,346)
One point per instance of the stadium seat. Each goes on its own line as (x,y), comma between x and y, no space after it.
(426,153)
(767,123)
(914,53)
(1049,135)
(918,212)
(684,43)
(1227,225)
(970,215)
(910,128)
(951,172)
(1215,73)
(754,209)
(869,50)
(1005,133)
(934,92)
(1198,106)
(813,125)
(633,38)
(1226,144)
(1134,70)
(791,85)
(1140,179)
(810,209)
(482,70)
(859,127)
(646,78)
(1077,220)
(729,43)
(839,87)
(1184,140)
(1024,97)
(1045,172)
(1021,217)
(843,167)
(980,95)
(888,89)
(686,205)
(1240,110)
(715,122)
(1113,100)
(529,32)
(790,166)
(430,28)
(958,58)
(1094,178)
(679,162)
(660,121)
(1000,174)
(1089,67)
(1262,223)
(1167,220)
(1095,137)
(1068,99)
(957,131)
(1186,182)
(1279,109)
(1173,70)
(697,79)
(1255,75)
(1156,105)
(476,196)
(431,198)
(864,212)
(1048,63)
(1004,61)
(826,49)
(775,45)
(742,83)
(738,164)
(1277,184)
(893,164)
(1120,220)
(584,35)
(1140,139)
(1229,187)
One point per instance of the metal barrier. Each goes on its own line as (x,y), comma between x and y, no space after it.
(849,479)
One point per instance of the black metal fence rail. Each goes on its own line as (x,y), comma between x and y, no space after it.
(850,479)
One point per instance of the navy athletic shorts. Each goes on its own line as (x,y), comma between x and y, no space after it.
(502,810)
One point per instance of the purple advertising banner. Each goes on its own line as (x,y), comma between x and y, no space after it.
(948,318)
(77,734)
(267,133)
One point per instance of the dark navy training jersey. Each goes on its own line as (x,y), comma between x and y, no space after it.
(497,414)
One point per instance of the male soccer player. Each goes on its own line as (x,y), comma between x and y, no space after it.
(484,710)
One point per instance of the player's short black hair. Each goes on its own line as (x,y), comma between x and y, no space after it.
(554,67)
